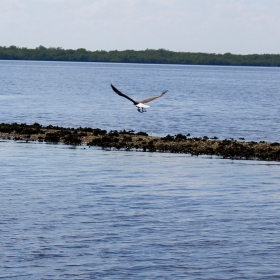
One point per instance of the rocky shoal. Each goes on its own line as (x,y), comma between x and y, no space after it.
(129,140)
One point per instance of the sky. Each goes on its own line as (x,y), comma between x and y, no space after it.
(210,26)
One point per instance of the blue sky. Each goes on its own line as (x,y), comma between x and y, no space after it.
(212,26)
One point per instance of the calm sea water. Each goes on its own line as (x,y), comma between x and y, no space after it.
(86,213)
(227,102)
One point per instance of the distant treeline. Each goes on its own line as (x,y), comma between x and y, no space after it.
(160,56)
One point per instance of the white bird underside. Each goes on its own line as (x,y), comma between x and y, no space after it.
(141,107)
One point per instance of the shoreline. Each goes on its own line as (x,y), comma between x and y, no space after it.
(129,140)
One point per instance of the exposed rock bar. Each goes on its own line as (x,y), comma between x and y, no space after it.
(129,140)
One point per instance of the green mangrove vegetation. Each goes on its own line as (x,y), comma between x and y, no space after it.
(160,56)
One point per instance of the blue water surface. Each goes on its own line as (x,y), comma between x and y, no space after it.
(86,213)
(226,102)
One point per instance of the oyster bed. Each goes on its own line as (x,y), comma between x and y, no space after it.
(129,140)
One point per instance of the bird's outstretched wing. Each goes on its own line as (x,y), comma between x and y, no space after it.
(123,95)
(152,98)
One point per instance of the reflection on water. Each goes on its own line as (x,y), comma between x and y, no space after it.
(86,213)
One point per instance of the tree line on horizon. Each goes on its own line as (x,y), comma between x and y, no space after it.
(159,56)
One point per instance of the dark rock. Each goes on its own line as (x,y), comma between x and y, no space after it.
(53,137)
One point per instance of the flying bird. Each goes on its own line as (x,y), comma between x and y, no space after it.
(141,106)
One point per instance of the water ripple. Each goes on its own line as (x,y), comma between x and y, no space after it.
(135,215)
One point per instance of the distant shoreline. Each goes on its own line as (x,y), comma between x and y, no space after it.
(129,140)
(148,56)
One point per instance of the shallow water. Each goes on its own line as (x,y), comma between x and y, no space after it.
(86,213)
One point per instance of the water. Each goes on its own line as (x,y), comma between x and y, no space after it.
(226,102)
(86,213)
